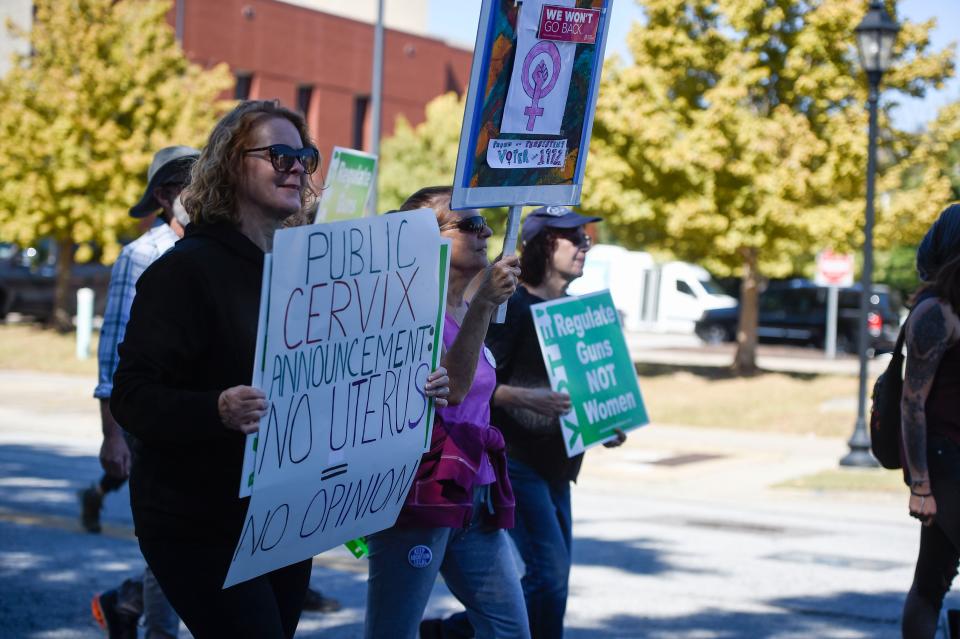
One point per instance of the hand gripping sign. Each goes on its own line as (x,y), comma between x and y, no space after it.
(350,328)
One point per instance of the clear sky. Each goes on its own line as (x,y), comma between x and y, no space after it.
(456,21)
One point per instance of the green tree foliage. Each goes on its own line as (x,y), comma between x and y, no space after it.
(897,268)
(424,155)
(737,137)
(104,86)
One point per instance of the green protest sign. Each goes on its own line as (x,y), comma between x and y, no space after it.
(586,357)
(349,183)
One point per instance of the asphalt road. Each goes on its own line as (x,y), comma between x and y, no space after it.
(677,534)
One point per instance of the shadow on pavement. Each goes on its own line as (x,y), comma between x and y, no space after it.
(48,576)
(50,567)
(846,614)
(633,555)
(44,480)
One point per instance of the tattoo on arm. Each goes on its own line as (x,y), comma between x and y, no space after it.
(927,340)
(915,436)
(926,343)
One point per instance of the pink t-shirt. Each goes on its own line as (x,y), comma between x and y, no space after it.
(475,407)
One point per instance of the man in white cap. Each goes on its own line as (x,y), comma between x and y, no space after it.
(118,610)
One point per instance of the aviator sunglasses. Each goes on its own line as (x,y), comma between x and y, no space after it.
(282,157)
(475,224)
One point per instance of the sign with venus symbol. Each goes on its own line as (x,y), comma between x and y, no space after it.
(537,96)
(543,80)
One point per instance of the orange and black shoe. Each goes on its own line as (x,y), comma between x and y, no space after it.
(117,624)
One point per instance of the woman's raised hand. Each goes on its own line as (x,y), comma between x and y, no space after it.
(241,408)
(499,281)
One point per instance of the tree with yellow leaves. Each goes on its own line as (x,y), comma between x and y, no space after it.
(423,155)
(737,137)
(104,86)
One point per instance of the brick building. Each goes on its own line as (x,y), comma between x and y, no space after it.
(314,55)
(320,63)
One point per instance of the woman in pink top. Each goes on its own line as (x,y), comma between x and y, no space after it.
(460,502)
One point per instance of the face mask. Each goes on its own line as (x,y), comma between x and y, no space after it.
(180,213)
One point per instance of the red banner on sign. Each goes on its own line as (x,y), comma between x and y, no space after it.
(568,24)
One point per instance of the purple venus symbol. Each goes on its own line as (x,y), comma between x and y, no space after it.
(541,84)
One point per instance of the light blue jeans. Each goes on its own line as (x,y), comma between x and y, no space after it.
(544,535)
(476,562)
(159,617)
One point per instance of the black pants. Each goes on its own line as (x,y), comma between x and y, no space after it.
(191,575)
(939,544)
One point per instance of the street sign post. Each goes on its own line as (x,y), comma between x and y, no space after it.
(835,271)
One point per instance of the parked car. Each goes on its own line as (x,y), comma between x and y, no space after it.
(795,312)
(28,276)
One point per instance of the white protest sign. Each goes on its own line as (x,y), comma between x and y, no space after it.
(352,329)
(540,81)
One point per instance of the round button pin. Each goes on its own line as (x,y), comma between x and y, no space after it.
(420,556)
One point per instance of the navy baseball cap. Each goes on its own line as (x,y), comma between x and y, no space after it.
(169,163)
(554,217)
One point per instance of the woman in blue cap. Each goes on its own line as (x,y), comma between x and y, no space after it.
(931,422)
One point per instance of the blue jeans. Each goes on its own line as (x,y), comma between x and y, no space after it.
(543,534)
(159,617)
(477,565)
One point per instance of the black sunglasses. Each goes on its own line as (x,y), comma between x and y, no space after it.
(475,224)
(282,157)
(577,238)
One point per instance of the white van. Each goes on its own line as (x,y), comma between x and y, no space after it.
(686,291)
(667,297)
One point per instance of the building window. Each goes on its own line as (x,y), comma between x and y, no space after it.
(304,93)
(361,105)
(243,82)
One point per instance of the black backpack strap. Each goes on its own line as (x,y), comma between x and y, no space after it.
(898,349)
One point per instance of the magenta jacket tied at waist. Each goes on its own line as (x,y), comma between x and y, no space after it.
(442,492)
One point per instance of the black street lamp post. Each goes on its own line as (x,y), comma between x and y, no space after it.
(876,34)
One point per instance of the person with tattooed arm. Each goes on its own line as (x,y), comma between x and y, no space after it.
(930,410)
